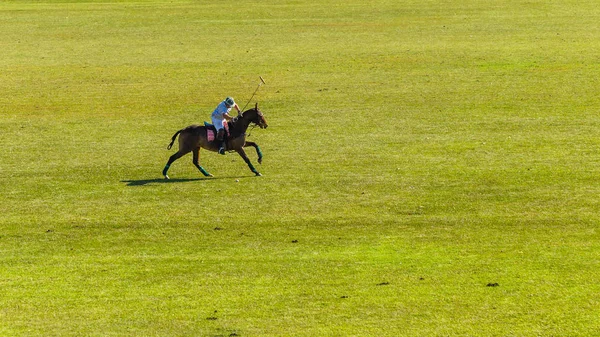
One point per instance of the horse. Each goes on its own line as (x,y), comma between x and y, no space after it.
(194,137)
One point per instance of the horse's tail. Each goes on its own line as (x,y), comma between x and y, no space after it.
(173,139)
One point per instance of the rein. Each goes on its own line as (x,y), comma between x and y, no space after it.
(251,128)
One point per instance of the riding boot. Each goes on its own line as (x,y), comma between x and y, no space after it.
(220,141)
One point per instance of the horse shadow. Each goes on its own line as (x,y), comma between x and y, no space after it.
(143,182)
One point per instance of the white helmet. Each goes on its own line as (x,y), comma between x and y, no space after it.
(229,101)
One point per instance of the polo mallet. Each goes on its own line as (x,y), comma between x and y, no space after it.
(262,81)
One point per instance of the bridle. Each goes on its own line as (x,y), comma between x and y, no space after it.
(259,114)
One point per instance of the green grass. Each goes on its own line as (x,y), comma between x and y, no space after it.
(418,151)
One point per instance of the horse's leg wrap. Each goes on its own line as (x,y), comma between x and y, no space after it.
(203,171)
(259,153)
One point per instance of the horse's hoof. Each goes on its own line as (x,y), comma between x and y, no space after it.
(260,160)
(167,177)
(258,174)
(209,175)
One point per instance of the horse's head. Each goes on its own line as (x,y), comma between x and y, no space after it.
(256,117)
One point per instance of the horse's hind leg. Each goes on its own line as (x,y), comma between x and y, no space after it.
(196,154)
(173,158)
(258,152)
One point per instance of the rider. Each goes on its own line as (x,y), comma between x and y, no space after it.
(219,117)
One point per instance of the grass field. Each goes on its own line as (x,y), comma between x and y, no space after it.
(431,169)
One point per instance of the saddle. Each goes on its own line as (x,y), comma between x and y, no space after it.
(211,132)
(210,126)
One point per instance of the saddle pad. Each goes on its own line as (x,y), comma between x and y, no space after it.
(210,135)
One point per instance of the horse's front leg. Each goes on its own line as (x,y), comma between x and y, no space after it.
(242,153)
(258,152)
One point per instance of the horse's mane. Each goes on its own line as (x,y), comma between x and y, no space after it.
(236,118)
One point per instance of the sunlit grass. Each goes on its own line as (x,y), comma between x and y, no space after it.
(430,169)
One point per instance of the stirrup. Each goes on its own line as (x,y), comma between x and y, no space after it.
(221,150)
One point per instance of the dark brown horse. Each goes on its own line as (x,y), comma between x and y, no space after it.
(194,137)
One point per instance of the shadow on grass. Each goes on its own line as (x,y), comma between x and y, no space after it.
(143,182)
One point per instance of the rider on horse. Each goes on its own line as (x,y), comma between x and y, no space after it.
(219,119)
